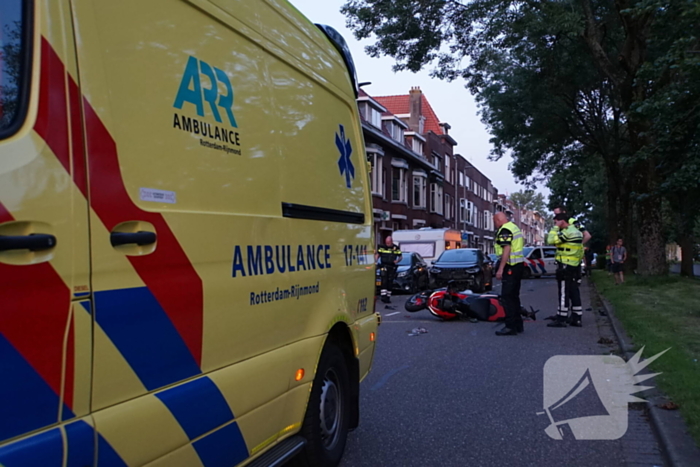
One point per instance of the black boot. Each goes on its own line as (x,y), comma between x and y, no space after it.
(576,321)
(506,331)
(385,299)
(560,322)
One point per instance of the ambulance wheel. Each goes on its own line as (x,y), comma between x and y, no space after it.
(328,413)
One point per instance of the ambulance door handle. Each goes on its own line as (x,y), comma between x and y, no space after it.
(138,238)
(31,242)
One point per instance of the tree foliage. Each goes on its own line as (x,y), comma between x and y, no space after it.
(530,200)
(562,82)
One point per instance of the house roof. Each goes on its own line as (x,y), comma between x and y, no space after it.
(399,105)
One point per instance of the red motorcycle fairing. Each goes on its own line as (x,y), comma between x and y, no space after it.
(481,307)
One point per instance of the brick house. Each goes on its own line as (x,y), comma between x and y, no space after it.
(417,180)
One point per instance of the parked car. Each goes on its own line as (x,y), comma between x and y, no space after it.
(469,267)
(540,261)
(411,275)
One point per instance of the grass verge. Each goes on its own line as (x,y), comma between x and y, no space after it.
(658,313)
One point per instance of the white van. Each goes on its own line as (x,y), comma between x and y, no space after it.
(429,243)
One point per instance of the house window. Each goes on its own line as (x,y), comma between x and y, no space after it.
(398,185)
(461,179)
(419,192)
(435,198)
(469,217)
(417,145)
(377,174)
(397,132)
(437,162)
(487,220)
(449,207)
(448,175)
(463,210)
(375,117)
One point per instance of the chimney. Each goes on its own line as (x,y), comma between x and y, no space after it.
(414,106)
(445,127)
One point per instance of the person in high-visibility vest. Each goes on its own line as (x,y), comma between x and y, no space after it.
(569,243)
(388,256)
(509,247)
(608,259)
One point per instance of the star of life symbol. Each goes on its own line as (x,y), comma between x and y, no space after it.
(344,163)
(586,396)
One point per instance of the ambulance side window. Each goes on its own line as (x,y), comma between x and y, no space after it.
(15,45)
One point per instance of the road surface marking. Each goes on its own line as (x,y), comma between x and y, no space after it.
(394,313)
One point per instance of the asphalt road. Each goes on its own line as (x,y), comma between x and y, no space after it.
(459,395)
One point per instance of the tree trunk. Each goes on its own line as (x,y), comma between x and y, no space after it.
(652,245)
(686,243)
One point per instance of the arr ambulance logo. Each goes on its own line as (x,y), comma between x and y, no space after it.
(209,92)
(191,90)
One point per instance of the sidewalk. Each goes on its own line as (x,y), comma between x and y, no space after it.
(679,448)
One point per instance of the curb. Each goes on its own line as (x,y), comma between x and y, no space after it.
(678,447)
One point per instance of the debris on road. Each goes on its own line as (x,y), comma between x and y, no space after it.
(417,332)
(669,406)
(602,313)
(605,340)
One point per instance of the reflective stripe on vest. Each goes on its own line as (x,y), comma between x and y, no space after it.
(516,245)
(570,247)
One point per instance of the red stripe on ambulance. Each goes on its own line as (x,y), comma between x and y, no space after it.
(167,272)
(35,310)
(52,119)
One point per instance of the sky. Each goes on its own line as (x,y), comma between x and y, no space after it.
(452,102)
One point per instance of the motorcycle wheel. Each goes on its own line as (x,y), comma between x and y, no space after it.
(416,302)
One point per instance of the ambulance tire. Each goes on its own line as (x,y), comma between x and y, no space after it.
(327,416)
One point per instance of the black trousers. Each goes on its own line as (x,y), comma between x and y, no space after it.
(567,287)
(388,279)
(510,294)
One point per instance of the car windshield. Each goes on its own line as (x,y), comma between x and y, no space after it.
(459,256)
(405,260)
(527,250)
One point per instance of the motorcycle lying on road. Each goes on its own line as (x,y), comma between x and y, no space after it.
(449,303)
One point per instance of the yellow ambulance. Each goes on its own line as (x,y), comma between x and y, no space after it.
(186,246)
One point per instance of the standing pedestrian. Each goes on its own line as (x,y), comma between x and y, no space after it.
(388,256)
(509,248)
(569,243)
(608,259)
(618,255)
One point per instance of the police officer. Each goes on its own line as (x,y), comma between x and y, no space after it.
(575,222)
(509,247)
(388,256)
(569,242)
